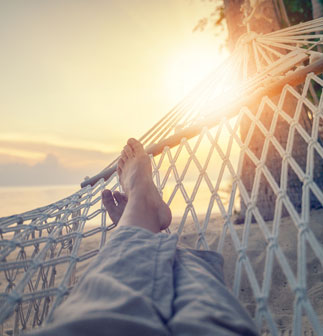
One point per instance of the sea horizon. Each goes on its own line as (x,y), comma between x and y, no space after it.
(19,199)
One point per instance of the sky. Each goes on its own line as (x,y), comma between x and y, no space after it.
(79,77)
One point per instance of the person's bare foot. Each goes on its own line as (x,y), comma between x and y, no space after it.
(145,206)
(114,203)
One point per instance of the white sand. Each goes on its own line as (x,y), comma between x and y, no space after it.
(281,299)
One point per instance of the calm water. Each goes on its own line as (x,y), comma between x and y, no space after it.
(15,200)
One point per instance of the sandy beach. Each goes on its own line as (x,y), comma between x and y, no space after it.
(281,298)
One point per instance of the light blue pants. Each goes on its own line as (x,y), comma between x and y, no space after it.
(141,283)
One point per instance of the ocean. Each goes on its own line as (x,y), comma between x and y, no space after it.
(15,200)
(18,199)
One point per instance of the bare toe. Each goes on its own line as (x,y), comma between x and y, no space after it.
(119,171)
(120,198)
(120,163)
(108,200)
(128,150)
(114,210)
(136,146)
(120,167)
(124,156)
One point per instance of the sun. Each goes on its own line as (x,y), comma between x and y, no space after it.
(188,66)
(203,79)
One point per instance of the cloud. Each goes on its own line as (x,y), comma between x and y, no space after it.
(47,172)
(41,163)
(69,156)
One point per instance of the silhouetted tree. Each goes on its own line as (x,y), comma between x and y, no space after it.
(268,17)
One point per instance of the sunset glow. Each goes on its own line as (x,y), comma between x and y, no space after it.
(79,78)
(189,67)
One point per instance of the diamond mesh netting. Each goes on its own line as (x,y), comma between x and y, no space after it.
(213,170)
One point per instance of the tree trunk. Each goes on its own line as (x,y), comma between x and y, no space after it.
(317,12)
(317,9)
(265,20)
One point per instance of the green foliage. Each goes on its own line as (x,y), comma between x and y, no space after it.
(214,20)
(298,10)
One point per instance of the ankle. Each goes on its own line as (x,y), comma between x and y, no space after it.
(140,214)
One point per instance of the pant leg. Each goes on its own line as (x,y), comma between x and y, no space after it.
(203,305)
(127,290)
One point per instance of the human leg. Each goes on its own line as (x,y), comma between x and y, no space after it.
(128,288)
(145,207)
(202,304)
(191,314)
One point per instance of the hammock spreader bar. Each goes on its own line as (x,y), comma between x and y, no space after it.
(271,90)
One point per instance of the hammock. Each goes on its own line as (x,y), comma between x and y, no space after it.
(198,157)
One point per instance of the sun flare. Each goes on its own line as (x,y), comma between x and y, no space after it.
(187,73)
(189,66)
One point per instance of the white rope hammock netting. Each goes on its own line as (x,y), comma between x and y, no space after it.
(273,262)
